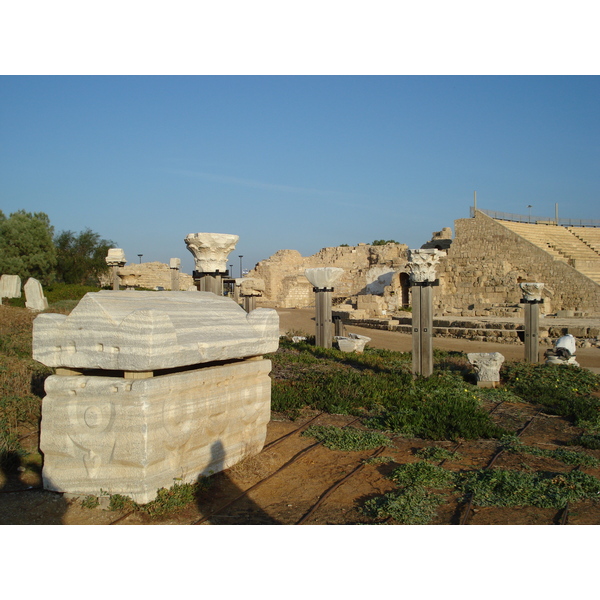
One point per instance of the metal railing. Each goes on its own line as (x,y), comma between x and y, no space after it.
(503,216)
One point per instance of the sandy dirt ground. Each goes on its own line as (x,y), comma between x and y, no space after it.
(303,319)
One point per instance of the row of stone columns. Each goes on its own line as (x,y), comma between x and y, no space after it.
(211,251)
(422,266)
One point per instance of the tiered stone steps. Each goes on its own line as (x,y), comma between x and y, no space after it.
(568,244)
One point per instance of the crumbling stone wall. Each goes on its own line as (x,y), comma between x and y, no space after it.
(148,275)
(485,264)
(367,270)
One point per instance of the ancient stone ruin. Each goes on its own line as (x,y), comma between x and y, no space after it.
(210,251)
(487,367)
(151,388)
(34,295)
(10,287)
(323,280)
(115,259)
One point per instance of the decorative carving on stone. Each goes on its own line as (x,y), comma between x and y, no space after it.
(210,250)
(487,366)
(250,286)
(115,257)
(174,263)
(532,292)
(165,417)
(134,437)
(323,277)
(422,264)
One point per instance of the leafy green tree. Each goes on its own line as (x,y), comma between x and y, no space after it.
(26,246)
(81,256)
(383,242)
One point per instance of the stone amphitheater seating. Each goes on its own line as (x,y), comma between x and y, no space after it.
(579,247)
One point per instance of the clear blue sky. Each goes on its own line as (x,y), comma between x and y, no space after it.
(299,162)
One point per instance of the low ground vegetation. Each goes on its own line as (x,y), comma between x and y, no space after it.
(379,390)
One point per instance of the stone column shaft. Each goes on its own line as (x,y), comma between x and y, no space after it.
(532,327)
(324,322)
(532,298)
(422,264)
(422,323)
(249,303)
(323,279)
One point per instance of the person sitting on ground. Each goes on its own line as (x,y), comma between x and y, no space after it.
(564,350)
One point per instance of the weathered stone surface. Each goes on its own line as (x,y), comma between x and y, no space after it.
(34,295)
(147,331)
(367,269)
(210,250)
(250,286)
(174,263)
(422,264)
(116,257)
(132,437)
(352,342)
(151,275)
(487,366)
(532,292)
(10,286)
(505,258)
(323,277)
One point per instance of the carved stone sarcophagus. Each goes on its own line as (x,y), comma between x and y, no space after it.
(152,388)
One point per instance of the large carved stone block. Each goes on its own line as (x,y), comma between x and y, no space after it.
(147,331)
(132,437)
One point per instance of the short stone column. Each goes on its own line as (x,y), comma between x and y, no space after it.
(532,298)
(322,280)
(249,289)
(10,287)
(487,366)
(422,264)
(115,259)
(175,265)
(210,251)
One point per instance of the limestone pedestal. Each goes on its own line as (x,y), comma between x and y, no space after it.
(134,436)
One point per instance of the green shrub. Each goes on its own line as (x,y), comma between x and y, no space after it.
(411,506)
(560,389)
(569,457)
(347,438)
(501,487)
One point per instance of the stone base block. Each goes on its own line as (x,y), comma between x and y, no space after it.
(134,436)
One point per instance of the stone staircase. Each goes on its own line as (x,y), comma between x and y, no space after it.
(579,247)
